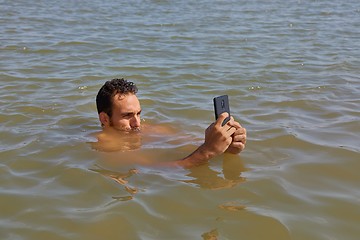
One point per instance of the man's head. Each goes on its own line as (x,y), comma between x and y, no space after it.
(118,105)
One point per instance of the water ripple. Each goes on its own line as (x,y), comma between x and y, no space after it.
(290,70)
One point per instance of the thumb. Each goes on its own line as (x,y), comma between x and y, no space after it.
(221,118)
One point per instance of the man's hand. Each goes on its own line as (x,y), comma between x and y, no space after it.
(217,137)
(238,138)
(217,140)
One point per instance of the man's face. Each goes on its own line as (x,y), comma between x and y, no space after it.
(126,111)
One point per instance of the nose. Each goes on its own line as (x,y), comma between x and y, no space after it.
(135,122)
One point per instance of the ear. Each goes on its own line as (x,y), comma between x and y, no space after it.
(104,119)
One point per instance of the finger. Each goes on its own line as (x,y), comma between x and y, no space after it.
(231,122)
(240,131)
(238,145)
(230,131)
(227,127)
(239,138)
(234,123)
(221,119)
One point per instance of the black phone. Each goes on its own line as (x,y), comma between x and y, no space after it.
(221,104)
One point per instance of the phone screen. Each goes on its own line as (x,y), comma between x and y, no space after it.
(221,104)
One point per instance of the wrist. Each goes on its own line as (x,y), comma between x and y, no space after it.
(205,153)
(200,156)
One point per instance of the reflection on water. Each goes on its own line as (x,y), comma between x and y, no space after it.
(212,235)
(232,206)
(121,179)
(208,178)
(203,176)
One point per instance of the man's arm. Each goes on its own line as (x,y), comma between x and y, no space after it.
(217,140)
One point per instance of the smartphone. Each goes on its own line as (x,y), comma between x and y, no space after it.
(221,104)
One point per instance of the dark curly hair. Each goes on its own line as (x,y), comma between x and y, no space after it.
(104,98)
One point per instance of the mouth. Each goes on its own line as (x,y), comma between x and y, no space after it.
(137,129)
(127,129)
(131,130)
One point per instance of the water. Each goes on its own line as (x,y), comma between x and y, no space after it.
(290,68)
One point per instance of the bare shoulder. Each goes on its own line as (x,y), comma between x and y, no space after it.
(158,129)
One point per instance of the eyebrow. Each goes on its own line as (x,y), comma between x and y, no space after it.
(127,113)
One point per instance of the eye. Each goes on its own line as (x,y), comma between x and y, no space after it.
(127,115)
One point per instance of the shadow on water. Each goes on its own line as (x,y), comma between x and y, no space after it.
(209,178)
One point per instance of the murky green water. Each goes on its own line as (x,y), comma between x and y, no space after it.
(290,68)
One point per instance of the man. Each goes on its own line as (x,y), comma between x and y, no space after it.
(119,112)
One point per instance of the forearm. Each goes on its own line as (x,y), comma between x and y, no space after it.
(200,156)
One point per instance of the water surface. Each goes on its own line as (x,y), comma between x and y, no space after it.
(290,68)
